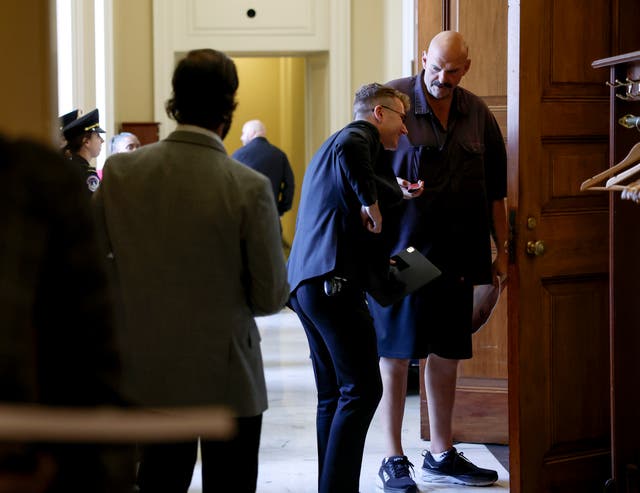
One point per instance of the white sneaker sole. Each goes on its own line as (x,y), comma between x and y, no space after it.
(430,477)
(380,485)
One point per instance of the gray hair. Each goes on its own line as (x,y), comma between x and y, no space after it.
(113,143)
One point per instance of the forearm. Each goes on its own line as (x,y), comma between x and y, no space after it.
(499,217)
(371,217)
(501,234)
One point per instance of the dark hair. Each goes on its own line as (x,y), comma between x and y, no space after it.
(370,95)
(204,88)
(74,144)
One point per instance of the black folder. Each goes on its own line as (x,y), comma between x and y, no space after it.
(411,271)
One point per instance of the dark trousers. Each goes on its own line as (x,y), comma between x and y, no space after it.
(226,466)
(345,362)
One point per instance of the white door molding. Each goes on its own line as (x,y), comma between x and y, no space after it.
(331,34)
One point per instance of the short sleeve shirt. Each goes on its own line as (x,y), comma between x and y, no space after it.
(464,170)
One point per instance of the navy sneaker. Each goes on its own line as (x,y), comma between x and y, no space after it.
(395,474)
(455,468)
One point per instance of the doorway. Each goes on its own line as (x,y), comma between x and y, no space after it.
(272,89)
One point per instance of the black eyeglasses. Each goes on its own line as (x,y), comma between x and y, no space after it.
(403,116)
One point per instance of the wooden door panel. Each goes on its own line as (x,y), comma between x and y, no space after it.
(574,118)
(480,413)
(430,22)
(575,244)
(575,473)
(579,381)
(558,333)
(484,27)
(565,166)
(582,29)
(562,411)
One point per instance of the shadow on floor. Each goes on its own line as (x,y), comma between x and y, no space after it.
(500,452)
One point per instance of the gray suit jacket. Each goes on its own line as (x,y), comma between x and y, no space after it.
(196,250)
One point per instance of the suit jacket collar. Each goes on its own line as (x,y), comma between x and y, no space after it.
(197,138)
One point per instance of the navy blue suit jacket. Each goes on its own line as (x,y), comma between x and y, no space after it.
(267,159)
(343,175)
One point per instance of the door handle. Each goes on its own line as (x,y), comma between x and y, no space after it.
(535,248)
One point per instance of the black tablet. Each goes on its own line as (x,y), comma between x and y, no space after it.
(411,271)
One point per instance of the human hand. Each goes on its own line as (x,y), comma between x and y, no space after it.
(371,217)
(499,268)
(410,190)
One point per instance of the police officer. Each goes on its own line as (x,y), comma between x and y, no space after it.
(84,143)
(65,120)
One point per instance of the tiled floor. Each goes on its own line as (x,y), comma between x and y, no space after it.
(288,452)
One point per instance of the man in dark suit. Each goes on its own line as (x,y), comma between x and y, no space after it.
(260,154)
(195,245)
(337,254)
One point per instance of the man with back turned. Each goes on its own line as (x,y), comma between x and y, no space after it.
(194,243)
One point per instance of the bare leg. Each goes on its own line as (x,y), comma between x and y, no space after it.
(394,384)
(440,376)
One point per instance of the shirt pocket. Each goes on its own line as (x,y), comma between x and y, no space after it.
(469,176)
(430,165)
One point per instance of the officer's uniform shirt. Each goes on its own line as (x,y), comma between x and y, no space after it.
(88,172)
(86,123)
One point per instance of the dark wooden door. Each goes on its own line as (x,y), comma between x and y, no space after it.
(147,132)
(558,110)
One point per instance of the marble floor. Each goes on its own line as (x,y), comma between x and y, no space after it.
(288,451)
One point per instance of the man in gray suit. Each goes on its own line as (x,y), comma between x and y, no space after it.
(194,242)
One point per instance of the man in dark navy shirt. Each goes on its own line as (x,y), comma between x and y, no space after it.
(260,154)
(455,147)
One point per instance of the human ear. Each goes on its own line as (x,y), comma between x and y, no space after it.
(467,64)
(377,112)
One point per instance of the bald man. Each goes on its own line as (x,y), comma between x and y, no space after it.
(258,153)
(455,146)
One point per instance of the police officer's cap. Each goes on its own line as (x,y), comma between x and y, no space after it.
(67,118)
(86,123)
